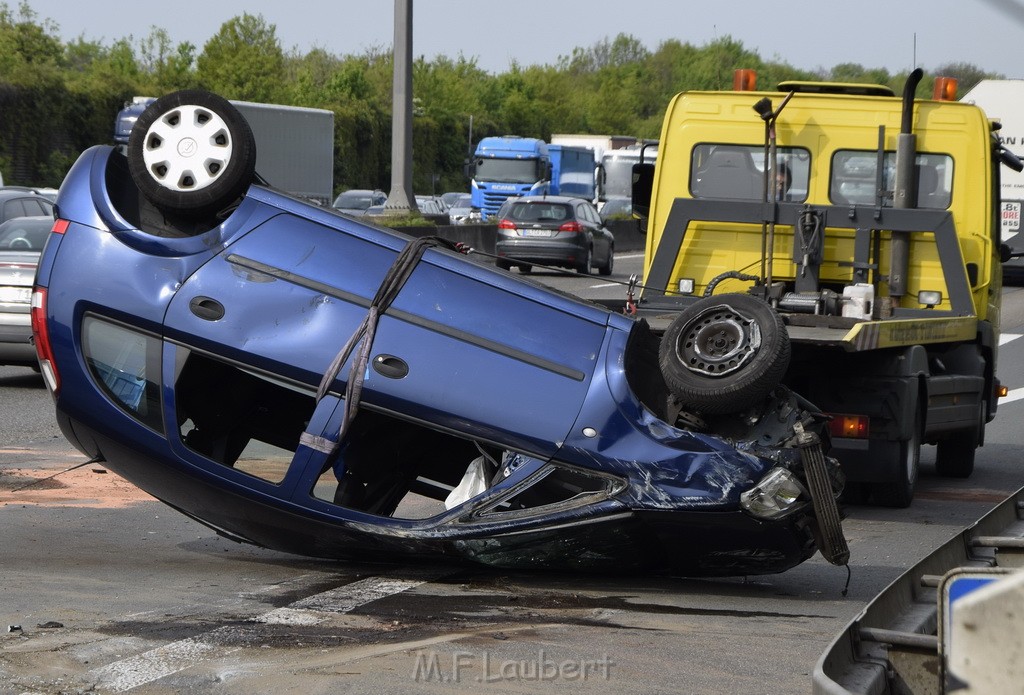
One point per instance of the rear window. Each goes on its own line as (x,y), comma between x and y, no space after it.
(539,212)
(854,179)
(23,234)
(736,172)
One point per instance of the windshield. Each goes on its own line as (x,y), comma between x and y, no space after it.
(618,176)
(736,172)
(507,170)
(353,201)
(24,234)
(854,178)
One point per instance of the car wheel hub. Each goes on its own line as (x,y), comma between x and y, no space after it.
(718,341)
(188,148)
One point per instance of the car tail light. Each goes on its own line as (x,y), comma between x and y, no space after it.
(850,426)
(571,227)
(41,338)
(506,224)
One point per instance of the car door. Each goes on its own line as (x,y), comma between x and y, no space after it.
(462,348)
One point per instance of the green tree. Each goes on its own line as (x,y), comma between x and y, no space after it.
(243,61)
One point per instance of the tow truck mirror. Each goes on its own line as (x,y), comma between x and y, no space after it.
(1006,253)
(643,185)
(1010,159)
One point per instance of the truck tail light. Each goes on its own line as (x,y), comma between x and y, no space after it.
(41,338)
(571,227)
(507,224)
(849,426)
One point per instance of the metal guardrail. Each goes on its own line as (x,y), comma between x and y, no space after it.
(893,646)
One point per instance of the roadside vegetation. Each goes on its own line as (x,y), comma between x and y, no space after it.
(59,98)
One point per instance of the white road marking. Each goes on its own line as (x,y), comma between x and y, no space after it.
(1014,395)
(1005,338)
(132,672)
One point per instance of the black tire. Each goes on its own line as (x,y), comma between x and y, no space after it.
(525,268)
(900,493)
(584,266)
(192,154)
(504,265)
(606,269)
(724,354)
(954,457)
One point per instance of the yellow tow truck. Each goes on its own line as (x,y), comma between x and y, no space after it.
(840,241)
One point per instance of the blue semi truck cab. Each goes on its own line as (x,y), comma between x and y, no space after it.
(508,167)
(511,166)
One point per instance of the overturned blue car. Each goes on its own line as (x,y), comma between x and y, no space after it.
(312,383)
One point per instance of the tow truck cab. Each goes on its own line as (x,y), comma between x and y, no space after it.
(870,224)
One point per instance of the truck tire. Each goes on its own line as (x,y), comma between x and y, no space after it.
(900,493)
(192,154)
(954,457)
(723,354)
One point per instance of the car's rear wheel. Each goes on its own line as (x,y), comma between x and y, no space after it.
(192,154)
(723,354)
(586,262)
(504,265)
(606,269)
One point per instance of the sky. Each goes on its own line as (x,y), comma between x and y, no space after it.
(894,34)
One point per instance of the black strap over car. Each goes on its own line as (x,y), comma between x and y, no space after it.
(363,336)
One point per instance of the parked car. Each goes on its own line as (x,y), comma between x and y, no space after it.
(21,241)
(617,209)
(429,205)
(356,201)
(23,202)
(463,212)
(553,230)
(450,197)
(310,382)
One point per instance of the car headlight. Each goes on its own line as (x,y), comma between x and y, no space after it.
(777,494)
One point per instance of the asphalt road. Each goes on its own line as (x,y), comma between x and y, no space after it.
(105,590)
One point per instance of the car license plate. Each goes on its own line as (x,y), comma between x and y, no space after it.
(15,295)
(536,232)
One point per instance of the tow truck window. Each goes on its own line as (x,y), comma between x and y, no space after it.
(853,180)
(736,172)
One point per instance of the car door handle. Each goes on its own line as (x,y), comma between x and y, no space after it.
(390,366)
(207,308)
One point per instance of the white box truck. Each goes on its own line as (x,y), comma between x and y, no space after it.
(1003,101)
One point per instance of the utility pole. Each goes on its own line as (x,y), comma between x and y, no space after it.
(401,198)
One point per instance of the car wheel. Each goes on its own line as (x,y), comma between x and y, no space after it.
(723,354)
(954,457)
(900,493)
(504,265)
(606,269)
(525,268)
(191,153)
(585,264)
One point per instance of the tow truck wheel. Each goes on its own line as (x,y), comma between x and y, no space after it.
(900,493)
(954,457)
(725,353)
(191,153)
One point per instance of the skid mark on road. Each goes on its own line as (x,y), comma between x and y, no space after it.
(133,672)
